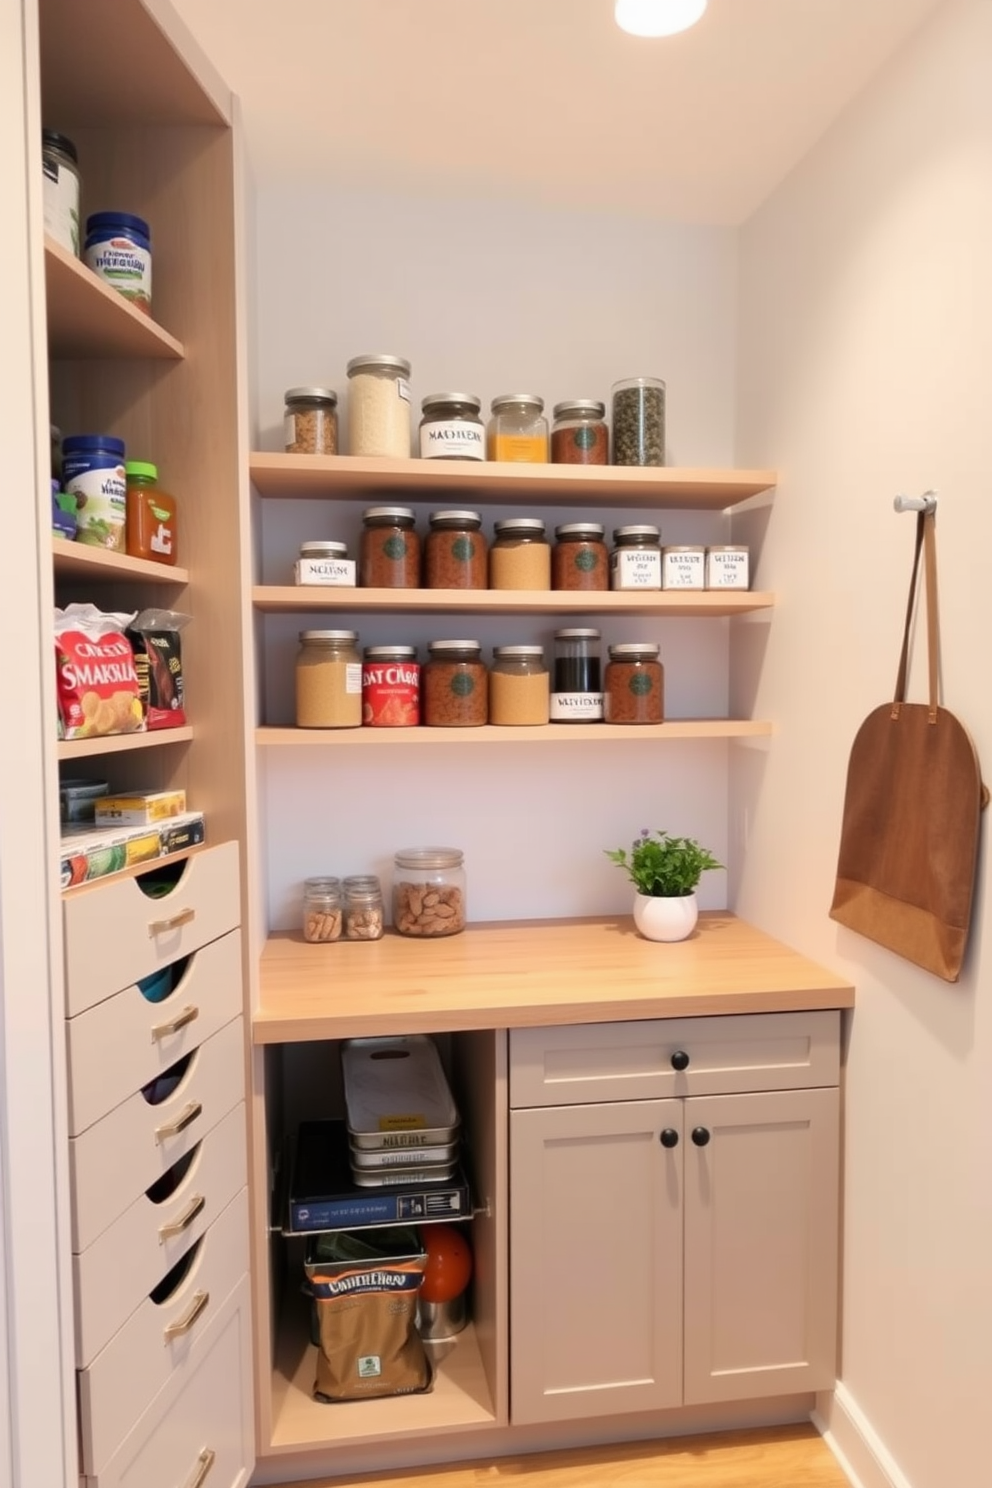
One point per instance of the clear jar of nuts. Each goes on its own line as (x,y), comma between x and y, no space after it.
(429,891)
(322,909)
(310,422)
(363,911)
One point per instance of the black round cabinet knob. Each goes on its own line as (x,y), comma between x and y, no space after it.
(669,1137)
(700,1136)
(680,1060)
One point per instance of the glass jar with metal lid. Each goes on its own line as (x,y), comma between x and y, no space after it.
(518,430)
(577,695)
(364,915)
(322,909)
(328,680)
(639,421)
(429,891)
(456,552)
(310,421)
(519,686)
(379,405)
(455,685)
(450,428)
(390,549)
(580,559)
(579,434)
(60,189)
(634,687)
(635,562)
(520,557)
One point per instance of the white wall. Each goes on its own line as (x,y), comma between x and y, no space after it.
(489,297)
(865,370)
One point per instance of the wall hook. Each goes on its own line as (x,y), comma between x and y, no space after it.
(925,503)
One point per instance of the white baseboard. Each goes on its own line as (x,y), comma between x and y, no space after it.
(855,1443)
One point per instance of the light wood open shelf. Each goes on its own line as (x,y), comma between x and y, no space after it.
(86,318)
(70,749)
(460,1398)
(344,476)
(528,973)
(70,559)
(274,598)
(490,733)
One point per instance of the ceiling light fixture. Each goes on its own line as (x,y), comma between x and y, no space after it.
(657,17)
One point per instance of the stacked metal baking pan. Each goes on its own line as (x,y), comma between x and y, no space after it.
(403,1125)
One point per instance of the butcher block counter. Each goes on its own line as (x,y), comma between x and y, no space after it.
(530,973)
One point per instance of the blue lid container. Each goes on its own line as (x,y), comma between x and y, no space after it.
(101,225)
(93,444)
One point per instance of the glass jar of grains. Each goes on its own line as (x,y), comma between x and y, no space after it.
(364,916)
(456,552)
(519,686)
(379,405)
(328,680)
(639,421)
(390,549)
(455,685)
(520,557)
(579,434)
(580,559)
(451,428)
(322,909)
(310,421)
(429,891)
(518,430)
(634,686)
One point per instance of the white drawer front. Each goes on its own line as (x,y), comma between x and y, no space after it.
(119,1045)
(115,934)
(121,1156)
(592,1062)
(120,1269)
(199,1429)
(157,1341)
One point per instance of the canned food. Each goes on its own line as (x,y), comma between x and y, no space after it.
(390,687)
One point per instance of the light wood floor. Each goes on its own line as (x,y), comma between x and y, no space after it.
(785,1457)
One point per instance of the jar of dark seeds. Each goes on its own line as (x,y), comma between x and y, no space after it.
(310,422)
(639,421)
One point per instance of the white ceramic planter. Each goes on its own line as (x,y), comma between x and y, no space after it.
(665,919)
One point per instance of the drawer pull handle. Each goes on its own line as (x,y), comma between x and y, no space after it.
(204,1463)
(185,1118)
(182,1326)
(188,1015)
(160,927)
(176,1226)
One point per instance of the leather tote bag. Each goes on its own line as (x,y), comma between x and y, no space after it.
(912,809)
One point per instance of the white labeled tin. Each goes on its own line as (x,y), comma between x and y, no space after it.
(727,567)
(325,563)
(684,567)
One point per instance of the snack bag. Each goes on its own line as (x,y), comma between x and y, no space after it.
(97,684)
(158,657)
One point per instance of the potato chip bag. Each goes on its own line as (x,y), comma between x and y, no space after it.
(96,680)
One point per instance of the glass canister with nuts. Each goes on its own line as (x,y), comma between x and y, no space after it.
(429,891)
(322,907)
(363,910)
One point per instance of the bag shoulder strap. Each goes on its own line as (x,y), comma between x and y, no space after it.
(926,542)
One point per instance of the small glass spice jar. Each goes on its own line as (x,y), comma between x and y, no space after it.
(379,405)
(518,430)
(390,687)
(389,556)
(364,915)
(310,421)
(456,552)
(322,909)
(455,685)
(519,686)
(639,421)
(635,562)
(450,428)
(577,695)
(634,689)
(579,559)
(520,557)
(429,891)
(328,680)
(579,433)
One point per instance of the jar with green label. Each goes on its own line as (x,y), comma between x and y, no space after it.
(390,549)
(455,685)
(580,559)
(634,686)
(579,434)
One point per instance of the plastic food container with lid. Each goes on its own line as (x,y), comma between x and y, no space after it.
(119,250)
(379,405)
(429,891)
(450,428)
(396,1093)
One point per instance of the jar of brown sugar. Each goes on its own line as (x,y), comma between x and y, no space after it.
(580,559)
(455,690)
(634,690)
(519,686)
(328,680)
(390,549)
(579,434)
(520,557)
(455,553)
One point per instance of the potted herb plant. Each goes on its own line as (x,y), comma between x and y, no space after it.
(665,871)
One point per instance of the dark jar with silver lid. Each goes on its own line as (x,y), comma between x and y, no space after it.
(450,428)
(580,559)
(634,690)
(635,562)
(390,549)
(577,693)
(310,422)
(455,685)
(456,554)
(579,433)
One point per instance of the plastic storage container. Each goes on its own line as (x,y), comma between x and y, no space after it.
(390,549)
(152,520)
(119,249)
(429,891)
(456,552)
(60,193)
(450,428)
(455,685)
(93,470)
(579,433)
(518,430)
(379,405)
(634,685)
(328,680)
(310,421)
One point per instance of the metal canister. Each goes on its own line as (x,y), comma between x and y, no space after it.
(390,687)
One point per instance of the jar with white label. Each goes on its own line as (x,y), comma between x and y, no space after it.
(328,680)
(727,567)
(684,567)
(635,562)
(93,470)
(379,405)
(118,249)
(451,428)
(325,562)
(310,422)
(577,693)
(60,194)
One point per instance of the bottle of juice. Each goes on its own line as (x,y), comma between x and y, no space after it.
(151,515)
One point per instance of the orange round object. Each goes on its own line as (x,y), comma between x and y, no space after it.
(449,1262)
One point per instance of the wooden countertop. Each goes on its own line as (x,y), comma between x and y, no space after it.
(525,973)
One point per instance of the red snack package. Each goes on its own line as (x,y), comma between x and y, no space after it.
(97,683)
